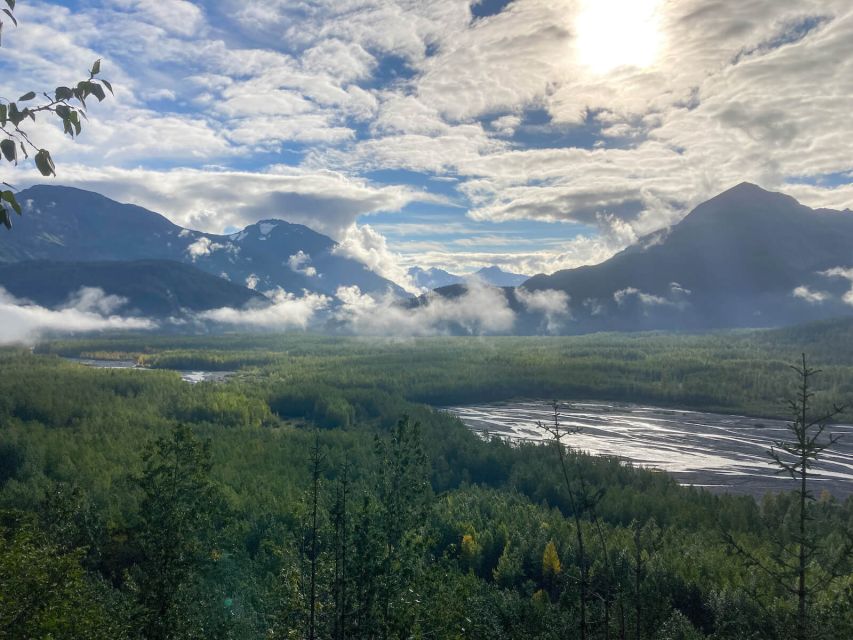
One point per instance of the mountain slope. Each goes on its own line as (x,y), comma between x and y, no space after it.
(497,277)
(436,278)
(735,260)
(433,278)
(156,288)
(62,223)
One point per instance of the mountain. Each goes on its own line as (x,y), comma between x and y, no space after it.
(747,257)
(433,278)
(66,224)
(497,277)
(157,288)
(436,278)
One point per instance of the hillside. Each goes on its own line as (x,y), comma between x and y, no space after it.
(157,288)
(737,260)
(66,224)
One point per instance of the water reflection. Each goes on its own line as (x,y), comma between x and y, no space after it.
(192,377)
(720,452)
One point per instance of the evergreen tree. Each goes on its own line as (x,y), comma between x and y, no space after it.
(175,532)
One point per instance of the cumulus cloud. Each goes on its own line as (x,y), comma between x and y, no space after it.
(814,297)
(89,309)
(551,303)
(300,262)
(286,311)
(368,246)
(326,201)
(347,88)
(478,310)
(202,247)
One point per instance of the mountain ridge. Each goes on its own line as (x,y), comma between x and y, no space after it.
(65,223)
(734,260)
(157,288)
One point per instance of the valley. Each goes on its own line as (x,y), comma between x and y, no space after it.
(445,320)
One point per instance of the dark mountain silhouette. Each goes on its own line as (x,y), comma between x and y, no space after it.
(157,288)
(745,258)
(735,260)
(62,223)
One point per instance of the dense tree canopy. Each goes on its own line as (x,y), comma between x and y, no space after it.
(413,527)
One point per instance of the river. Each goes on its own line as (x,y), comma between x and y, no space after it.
(716,451)
(192,377)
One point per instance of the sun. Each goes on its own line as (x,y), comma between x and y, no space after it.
(617,33)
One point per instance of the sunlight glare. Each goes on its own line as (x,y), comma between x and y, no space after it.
(617,33)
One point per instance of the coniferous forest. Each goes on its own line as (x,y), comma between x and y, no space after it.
(321,492)
(426,320)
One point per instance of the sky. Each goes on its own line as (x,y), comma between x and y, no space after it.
(536,135)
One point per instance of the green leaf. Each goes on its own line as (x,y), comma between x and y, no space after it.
(15,116)
(29,95)
(96,68)
(9,13)
(2,115)
(98,91)
(108,86)
(75,120)
(64,93)
(44,163)
(9,197)
(4,217)
(9,150)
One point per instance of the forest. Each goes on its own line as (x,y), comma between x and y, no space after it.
(322,492)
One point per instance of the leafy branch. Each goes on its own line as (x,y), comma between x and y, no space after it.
(68,104)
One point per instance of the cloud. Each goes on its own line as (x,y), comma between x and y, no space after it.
(202,247)
(89,309)
(326,201)
(300,263)
(810,296)
(551,303)
(363,243)
(624,296)
(287,311)
(478,310)
(847,274)
(508,107)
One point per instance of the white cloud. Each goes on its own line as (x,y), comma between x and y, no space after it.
(287,311)
(363,243)
(810,296)
(89,309)
(847,274)
(551,303)
(623,296)
(300,262)
(702,113)
(478,310)
(326,201)
(202,247)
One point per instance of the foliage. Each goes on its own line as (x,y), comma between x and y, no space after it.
(67,104)
(153,495)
